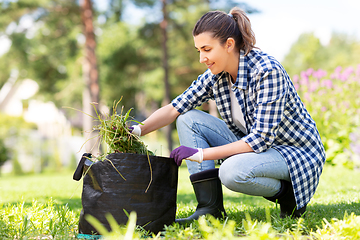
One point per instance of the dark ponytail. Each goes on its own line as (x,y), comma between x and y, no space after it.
(223,26)
(244,25)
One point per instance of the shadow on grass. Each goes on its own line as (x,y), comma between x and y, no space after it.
(336,210)
(74,203)
(238,207)
(241,198)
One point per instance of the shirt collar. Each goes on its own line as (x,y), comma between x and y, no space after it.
(241,79)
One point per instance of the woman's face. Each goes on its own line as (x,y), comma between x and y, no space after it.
(212,53)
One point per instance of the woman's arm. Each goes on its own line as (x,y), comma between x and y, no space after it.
(227,150)
(160,118)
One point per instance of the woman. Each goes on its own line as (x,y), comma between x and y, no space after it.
(269,141)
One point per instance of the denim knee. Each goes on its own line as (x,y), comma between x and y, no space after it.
(186,118)
(254,174)
(230,176)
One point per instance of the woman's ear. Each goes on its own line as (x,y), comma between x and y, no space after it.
(230,44)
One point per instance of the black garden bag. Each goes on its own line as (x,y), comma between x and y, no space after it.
(105,191)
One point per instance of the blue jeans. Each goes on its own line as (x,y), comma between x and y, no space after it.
(252,173)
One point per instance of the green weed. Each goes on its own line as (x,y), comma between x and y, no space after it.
(113,130)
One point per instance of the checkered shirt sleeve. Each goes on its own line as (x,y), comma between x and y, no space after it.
(198,93)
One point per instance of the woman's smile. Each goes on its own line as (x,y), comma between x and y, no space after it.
(212,53)
(216,56)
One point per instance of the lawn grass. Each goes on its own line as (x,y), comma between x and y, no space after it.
(41,187)
(338,193)
(57,195)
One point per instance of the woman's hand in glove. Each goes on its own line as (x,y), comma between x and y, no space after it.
(136,130)
(183,152)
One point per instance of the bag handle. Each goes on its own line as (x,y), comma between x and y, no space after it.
(79,170)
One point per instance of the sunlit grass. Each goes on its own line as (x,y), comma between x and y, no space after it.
(41,187)
(29,202)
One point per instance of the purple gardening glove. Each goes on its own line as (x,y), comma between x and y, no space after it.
(183,152)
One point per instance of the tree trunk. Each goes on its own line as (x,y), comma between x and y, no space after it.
(163,25)
(90,76)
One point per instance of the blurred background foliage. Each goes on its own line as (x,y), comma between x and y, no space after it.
(47,46)
(308,52)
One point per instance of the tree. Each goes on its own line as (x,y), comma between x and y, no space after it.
(91,97)
(49,51)
(342,50)
(114,12)
(132,60)
(308,52)
(167,99)
(46,50)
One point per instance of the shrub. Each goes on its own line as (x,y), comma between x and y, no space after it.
(333,101)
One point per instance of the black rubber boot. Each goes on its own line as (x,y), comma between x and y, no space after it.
(285,197)
(208,192)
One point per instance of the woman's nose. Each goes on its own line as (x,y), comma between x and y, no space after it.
(203,59)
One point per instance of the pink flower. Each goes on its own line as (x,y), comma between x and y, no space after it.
(309,71)
(313,86)
(336,73)
(319,74)
(327,83)
(346,74)
(296,85)
(338,69)
(296,78)
(304,78)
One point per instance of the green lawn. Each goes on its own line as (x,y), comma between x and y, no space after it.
(338,193)
(58,186)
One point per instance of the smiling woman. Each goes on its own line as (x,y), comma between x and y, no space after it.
(269,141)
(216,56)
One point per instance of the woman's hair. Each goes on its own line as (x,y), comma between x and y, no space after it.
(223,26)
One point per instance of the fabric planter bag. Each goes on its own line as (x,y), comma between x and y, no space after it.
(106,191)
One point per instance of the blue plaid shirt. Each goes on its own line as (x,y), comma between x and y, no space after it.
(274,114)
